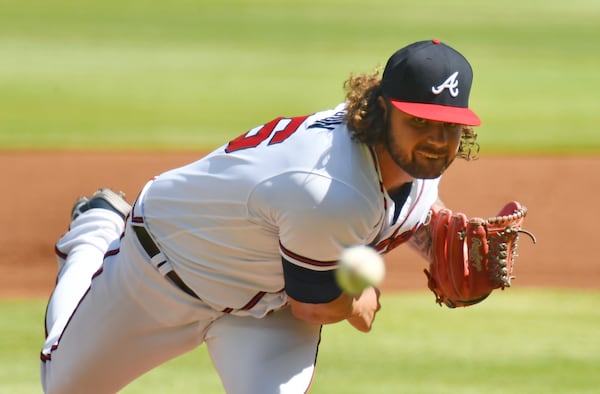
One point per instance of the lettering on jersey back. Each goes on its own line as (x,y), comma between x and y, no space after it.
(330,122)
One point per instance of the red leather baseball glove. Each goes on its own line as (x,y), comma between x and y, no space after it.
(472,257)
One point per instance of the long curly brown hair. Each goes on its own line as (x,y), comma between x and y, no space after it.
(366,118)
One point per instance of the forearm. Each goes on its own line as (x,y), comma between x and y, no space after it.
(359,311)
(327,313)
(421,240)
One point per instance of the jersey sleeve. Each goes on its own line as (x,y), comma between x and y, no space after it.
(316,217)
(309,286)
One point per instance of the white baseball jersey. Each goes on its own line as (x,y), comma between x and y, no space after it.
(259,219)
(298,188)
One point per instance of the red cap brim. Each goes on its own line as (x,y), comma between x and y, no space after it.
(439,113)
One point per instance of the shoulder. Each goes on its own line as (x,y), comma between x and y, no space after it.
(328,119)
(317,215)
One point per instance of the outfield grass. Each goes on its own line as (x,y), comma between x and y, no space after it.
(182,74)
(132,74)
(519,341)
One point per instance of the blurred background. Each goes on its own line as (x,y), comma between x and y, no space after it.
(189,74)
(88,85)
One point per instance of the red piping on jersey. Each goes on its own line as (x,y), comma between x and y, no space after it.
(384,245)
(59,253)
(47,357)
(251,304)
(390,240)
(332,263)
(414,204)
(377,170)
(306,260)
(254,300)
(111,252)
(135,219)
(138,219)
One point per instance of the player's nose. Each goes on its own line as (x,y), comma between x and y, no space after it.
(437,134)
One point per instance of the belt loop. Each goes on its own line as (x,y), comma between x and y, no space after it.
(161,264)
(158,259)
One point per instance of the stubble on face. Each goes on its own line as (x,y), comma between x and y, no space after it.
(421,164)
(421,161)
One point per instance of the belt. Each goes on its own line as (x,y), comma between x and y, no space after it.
(152,250)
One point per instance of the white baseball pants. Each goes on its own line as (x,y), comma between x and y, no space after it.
(105,330)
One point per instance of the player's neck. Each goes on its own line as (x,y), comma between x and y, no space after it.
(392,176)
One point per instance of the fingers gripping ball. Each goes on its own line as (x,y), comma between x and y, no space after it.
(472,257)
(359,267)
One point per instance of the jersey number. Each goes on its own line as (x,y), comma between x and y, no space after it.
(246,141)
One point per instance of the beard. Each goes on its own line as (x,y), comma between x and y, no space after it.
(422,162)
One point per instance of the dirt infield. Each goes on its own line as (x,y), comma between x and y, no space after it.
(559,192)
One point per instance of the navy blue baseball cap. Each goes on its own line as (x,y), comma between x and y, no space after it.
(430,80)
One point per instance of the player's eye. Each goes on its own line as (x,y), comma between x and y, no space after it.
(419,121)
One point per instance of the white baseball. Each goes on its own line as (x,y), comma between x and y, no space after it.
(359,267)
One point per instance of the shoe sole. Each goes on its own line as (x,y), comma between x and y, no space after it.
(116,200)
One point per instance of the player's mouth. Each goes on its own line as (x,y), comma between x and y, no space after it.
(431,155)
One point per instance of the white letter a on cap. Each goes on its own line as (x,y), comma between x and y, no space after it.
(451,84)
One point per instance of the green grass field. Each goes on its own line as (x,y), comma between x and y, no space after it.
(185,74)
(518,341)
(132,74)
